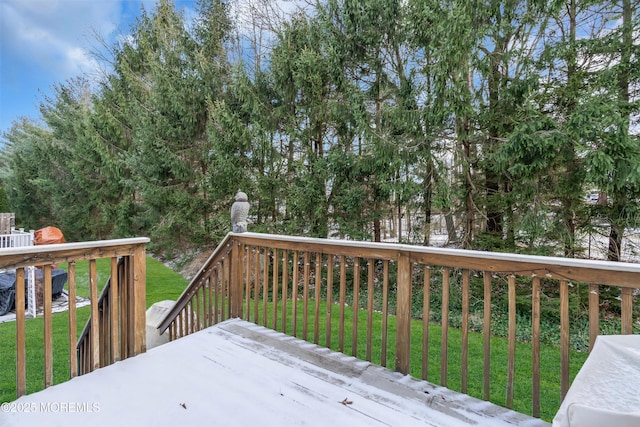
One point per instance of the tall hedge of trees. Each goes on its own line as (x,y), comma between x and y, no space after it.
(349,118)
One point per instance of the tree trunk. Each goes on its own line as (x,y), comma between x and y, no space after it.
(399,219)
(619,199)
(427,196)
(468,198)
(376,230)
(492,180)
(615,243)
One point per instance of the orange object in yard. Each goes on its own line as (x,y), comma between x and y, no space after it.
(48,236)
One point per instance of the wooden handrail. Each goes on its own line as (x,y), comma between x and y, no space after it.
(131,251)
(265,278)
(624,274)
(221,251)
(13,258)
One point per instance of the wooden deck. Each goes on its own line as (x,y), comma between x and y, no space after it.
(238,373)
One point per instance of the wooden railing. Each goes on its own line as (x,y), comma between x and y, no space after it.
(308,287)
(126,318)
(114,331)
(205,301)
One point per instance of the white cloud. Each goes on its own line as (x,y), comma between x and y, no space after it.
(55,34)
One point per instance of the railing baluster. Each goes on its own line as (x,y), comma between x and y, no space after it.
(343,293)
(124,310)
(370,277)
(104,332)
(199,315)
(265,286)
(192,316)
(231,269)
(93,295)
(219,294)
(274,292)
(178,323)
(227,288)
(318,285)
(464,359)
(444,345)
(594,313)
(185,321)
(564,338)
(305,295)
(101,333)
(426,308)
(285,287)
(236,287)
(385,311)
(403,316)
(256,285)
(247,291)
(21,349)
(294,293)
(223,288)
(535,346)
(216,295)
(355,306)
(203,305)
(511,357)
(113,305)
(128,274)
(73,354)
(626,314)
(330,260)
(486,331)
(207,300)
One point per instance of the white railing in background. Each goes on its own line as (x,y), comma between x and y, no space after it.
(20,239)
(17,239)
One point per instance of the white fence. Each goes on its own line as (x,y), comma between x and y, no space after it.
(17,239)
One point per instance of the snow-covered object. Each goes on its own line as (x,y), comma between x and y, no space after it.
(156,314)
(606,391)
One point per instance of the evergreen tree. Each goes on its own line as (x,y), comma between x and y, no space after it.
(302,84)
(25,158)
(497,114)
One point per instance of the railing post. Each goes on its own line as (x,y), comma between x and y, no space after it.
(235,277)
(140,299)
(21,349)
(403,331)
(114,339)
(94,338)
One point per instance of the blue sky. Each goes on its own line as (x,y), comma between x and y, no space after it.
(44,42)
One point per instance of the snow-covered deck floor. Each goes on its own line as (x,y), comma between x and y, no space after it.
(237,373)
